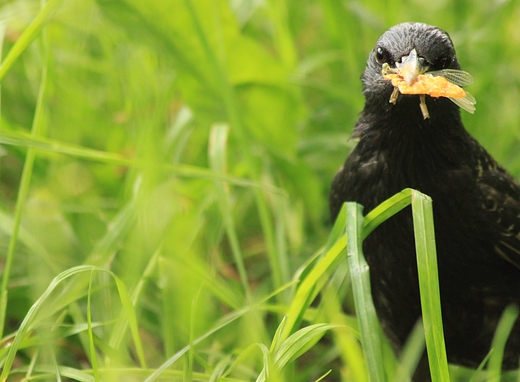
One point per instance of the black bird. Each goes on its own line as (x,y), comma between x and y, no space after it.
(476,205)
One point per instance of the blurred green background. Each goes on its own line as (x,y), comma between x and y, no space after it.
(188,146)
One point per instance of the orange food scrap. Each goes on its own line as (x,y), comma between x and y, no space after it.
(434,86)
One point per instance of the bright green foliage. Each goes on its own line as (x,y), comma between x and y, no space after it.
(164,171)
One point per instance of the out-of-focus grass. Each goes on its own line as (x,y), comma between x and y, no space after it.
(187,147)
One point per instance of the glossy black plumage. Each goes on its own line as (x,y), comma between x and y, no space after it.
(476,206)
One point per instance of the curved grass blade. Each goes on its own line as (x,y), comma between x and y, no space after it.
(366,313)
(385,210)
(311,285)
(29,35)
(43,144)
(429,285)
(299,342)
(41,304)
(498,345)
(294,346)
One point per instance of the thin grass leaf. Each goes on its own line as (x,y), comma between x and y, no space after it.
(267,370)
(29,35)
(228,319)
(170,361)
(411,354)
(92,346)
(505,325)
(476,375)
(36,130)
(232,107)
(338,230)
(42,144)
(27,324)
(32,364)
(119,332)
(347,339)
(311,285)
(385,210)
(312,271)
(245,354)
(217,154)
(275,344)
(294,346)
(42,304)
(65,371)
(188,370)
(359,272)
(323,376)
(57,374)
(429,285)
(130,315)
(299,342)
(219,369)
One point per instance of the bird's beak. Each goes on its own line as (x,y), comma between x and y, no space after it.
(410,67)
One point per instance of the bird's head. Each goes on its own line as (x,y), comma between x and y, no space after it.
(412,49)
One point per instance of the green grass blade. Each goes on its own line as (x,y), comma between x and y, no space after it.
(171,360)
(476,376)
(26,325)
(65,371)
(57,374)
(232,106)
(386,209)
(130,315)
(43,303)
(311,285)
(27,172)
(411,354)
(29,35)
(217,154)
(359,273)
(294,346)
(429,285)
(245,354)
(46,145)
(300,342)
(92,346)
(498,345)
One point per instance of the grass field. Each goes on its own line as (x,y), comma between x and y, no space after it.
(165,168)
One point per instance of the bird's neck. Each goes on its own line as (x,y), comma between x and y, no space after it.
(406,140)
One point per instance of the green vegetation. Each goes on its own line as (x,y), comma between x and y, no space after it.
(164,175)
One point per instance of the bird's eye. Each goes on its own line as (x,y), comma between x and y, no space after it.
(442,63)
(382,55)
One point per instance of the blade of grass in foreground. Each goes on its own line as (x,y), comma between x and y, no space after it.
(386,210)
(368,323)
(333,253)
(502,333)
(294,346)
(429,285)
(427,268)
(311,285)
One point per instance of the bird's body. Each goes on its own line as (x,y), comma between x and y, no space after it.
(476,205)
